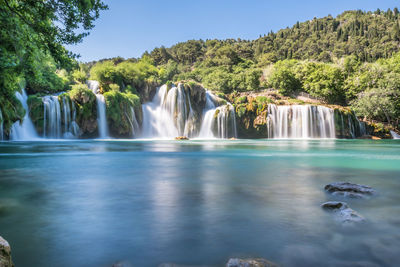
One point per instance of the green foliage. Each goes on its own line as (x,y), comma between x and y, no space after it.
(79,75)
(323,81)
(283,77)
(125,73)
(119,111)
(36,106)
(82,94)
(32,35)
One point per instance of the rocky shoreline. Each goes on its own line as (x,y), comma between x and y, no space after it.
(5,254)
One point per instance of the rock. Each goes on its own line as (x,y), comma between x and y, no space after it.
(5,253)
(376,138)
(343,212)
(180,138)
(250,263)
(349,190)
(232,138)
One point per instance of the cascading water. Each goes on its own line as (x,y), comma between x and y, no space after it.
(395,135)
(55,114)
(25,130)
(170,114)
(208,117)
(300,121)
(101,109)
(52,117)
(134,124)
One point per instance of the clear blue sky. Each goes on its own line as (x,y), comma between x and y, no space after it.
(129,28)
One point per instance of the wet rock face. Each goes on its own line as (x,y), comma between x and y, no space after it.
(250,263)
(349,190)
(342,212)
(147,91)
(5,253)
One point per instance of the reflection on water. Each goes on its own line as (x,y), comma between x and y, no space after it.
(93,203)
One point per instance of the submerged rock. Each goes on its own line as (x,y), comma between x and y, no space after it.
(181,138)
(349,190)
(250,263)
(343,212)
(5,253)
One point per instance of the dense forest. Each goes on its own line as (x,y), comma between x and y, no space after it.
(351,60)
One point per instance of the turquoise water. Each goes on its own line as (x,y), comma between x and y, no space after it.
(94,203)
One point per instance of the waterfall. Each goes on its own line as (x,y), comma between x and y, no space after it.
(52,117)
(169,114)
(56,114)
(218,122)
(101,109)
(24,130)
(225,121)
(1,127)
(134,124)
(300,121)
(208,117)
(395,135)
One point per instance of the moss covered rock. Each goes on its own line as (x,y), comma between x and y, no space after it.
(252,116)
(36,112)
(86,110)
(5,254)
(119,112)
(12,111)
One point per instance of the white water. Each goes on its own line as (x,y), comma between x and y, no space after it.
(52,117)
(300,121)
(170,114)
(25,130)
(134,124)
(208,117)
(55,114)
(167,115)
(1,127)
(395,135)
(101,109)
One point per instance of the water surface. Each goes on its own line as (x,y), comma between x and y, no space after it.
(94,203)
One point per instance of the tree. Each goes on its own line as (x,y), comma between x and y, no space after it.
(283,77)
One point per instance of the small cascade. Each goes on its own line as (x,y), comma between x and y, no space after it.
(134,124)
(170,114)
(225,122)
(208,117)
(25,130)
(101,109)
(351,127)
(52,117)
(300,121)
(74,127)
(59,120)
(1,127)
(395,135)
(218,122)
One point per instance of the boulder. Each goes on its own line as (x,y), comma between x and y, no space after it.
(5,253)
(180,138)
(349,190)
(234,262)
(343,212)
